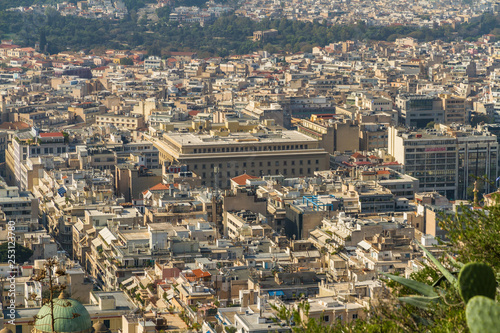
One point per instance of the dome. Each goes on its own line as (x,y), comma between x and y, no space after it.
(70,317)
(99,327)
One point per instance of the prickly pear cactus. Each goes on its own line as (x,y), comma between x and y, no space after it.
(483,315)
(476,279)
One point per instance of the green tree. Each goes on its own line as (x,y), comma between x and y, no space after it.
(22,254)
(126,62)
(475,234)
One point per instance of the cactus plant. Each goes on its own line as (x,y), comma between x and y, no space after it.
(483,315)
(476,279)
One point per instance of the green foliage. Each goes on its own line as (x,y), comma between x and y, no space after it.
(126,62)
(481,118)
(447,274)
(475,235)
(476,279)
(230,329)
(419,287)
(136,4)
(21,253)
(228,35)
(483,315)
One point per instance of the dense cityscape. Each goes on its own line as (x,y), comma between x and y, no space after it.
(261,181)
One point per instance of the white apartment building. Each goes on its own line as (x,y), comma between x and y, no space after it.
(31,144)
(448,160)
(18,206)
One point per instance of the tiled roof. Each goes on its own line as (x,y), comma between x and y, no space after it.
(242,179)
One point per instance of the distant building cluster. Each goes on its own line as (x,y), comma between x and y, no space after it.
(383,13)
(91,9)
(183,193)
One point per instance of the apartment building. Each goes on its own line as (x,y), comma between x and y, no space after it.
(18,206)
(86,111)
(333,135)
(31,144)
(244,224)
(419,110)
(446,160)
(257,153)
(120,121)
(454,109)
(430,157)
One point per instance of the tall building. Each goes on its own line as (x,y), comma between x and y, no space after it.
(477,157)
(31,144)
(333,135)
(419,110)
(261,152)
(446,160)
(18,206)
(454,109)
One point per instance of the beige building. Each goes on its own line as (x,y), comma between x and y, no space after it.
(288,153)
(454,109)
(329,310)
(131,181)
(86,112)
(120,121)
(333,135)
(242,225)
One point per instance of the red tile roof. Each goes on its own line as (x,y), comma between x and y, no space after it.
(383,172)
(201,274)
(160,187)
(242,179)
(51,135)
(356,155)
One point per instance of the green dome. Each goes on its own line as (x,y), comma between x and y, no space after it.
(65,319)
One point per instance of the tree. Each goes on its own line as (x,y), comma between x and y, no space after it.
(430,124)
(475,234)
(481,118)
(126,62)
(22,254)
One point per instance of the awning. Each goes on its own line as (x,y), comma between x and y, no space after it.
(276,293)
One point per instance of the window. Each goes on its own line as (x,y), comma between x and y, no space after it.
(326,319)
(107,323)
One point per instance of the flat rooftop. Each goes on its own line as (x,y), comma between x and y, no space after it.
(190,139)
